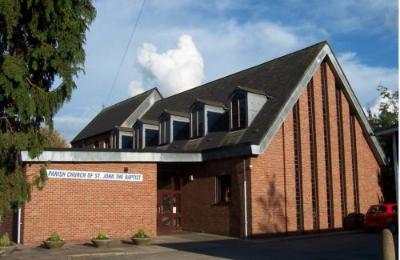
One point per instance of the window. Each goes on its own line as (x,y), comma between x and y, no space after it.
(327,146)
(197,122)
(223,189)
(163,131)
(298,167)
(138,143)
(180,130)
(238,111)
(127,142)
(377,209)
(151,137)
(216,122)
(107,144)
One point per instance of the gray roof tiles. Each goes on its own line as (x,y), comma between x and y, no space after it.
(111,117)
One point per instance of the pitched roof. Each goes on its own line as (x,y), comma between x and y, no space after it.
(276,78)
(112,116)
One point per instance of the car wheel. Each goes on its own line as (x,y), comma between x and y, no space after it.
(393,228)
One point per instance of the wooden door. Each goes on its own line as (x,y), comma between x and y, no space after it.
(168,211)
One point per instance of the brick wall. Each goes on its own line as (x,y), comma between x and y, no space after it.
(273,202)
(79,209)
(200,212)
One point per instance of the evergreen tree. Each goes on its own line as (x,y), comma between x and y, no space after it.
(41,42)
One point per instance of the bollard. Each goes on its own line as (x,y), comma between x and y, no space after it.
(387,245)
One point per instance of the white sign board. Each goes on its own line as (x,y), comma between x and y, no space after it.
(100,176)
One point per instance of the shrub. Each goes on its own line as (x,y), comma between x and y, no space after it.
(5,240)
(140,234)
(54,237)
(101,236)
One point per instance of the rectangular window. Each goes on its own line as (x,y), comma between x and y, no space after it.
(297,165)
(354,162)
(313,155)
(107,143)
(194,126)
(215,122)
(235,113)
(328,165)
(127,142)
(242,112)
(180,130)
(341,151)
(151,137)
(197,123)
(223,189)
(164,131)
(238,111)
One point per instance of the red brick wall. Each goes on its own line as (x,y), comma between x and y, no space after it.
(273,203)
(368,173)
(267,192)
(200,212)
(79,209)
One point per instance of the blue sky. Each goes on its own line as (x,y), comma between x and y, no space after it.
(222,37)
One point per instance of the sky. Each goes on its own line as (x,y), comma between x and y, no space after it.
(180,44)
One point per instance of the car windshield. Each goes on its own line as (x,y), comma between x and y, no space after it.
(377,208)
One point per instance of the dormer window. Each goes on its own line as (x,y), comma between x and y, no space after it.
(173,126)
(207,116)
(244,106)
(238,111)
(145,134)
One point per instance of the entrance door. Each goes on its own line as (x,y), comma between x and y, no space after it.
(168,211)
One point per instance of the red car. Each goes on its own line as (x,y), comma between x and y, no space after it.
(381,216)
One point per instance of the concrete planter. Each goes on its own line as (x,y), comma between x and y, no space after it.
(7,250)
(53,244)
(141,241)
(101,243)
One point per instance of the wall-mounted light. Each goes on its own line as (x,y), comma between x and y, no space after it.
(191,177)
(250,166)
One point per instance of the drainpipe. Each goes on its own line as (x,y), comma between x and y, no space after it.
(395,163)
(245,198)
(19,227)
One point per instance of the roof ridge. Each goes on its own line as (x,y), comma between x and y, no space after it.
(252,67)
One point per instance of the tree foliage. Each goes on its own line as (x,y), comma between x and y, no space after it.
(41,43)
(385,117)
(388,109)
(53,139)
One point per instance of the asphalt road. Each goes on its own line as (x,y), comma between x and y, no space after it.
(342,246)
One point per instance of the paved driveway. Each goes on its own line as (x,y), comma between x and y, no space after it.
(345,246)
(341,245)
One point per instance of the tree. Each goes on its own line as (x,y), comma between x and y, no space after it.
(385,117)
(41,42)
(53,139)
(388,109)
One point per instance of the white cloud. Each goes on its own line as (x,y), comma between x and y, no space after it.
(175,70)
(69,125)
(375,108)
(135,87)
(365,79)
